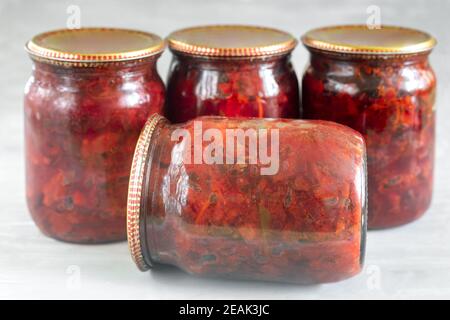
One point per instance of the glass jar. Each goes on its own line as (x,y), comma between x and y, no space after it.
(231,71)
(89,95)
(269,199)
(380,83)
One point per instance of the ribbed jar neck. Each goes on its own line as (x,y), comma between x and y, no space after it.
(150,210)
(317,58)
(122,70)
(230,63)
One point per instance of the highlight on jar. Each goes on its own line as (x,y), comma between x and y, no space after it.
(89,95)
(380,83)
(231,70)
(199,199)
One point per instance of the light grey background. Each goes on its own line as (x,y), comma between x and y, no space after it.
(408,262)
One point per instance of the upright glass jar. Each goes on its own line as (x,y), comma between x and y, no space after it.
(231,71)
(268,199)
(380,83)
(89,95)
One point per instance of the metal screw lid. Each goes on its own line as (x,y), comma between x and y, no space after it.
(135,190)
(231,41)
(360,40)
(90,46)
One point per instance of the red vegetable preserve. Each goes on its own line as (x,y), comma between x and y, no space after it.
(380,83)
(89,95)
(231,71)
(263,199)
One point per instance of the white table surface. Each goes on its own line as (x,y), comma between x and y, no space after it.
(408,262)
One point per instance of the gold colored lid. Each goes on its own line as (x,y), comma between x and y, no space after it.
(359,39)
(135,191)
(231,41)
(94,45)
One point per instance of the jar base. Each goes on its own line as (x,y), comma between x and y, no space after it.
(397,224)
(85,241)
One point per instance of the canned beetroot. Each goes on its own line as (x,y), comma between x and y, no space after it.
(264,199)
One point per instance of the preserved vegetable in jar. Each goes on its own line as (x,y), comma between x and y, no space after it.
(89,95)
(380,83)
(232,71)
(262,199)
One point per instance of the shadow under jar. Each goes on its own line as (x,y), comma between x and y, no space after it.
(234,71)
(89,95)
(299,219)
(380,83)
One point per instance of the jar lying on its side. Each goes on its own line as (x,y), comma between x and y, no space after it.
(380,83)
(269,199)
(234,71)
(84,110)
